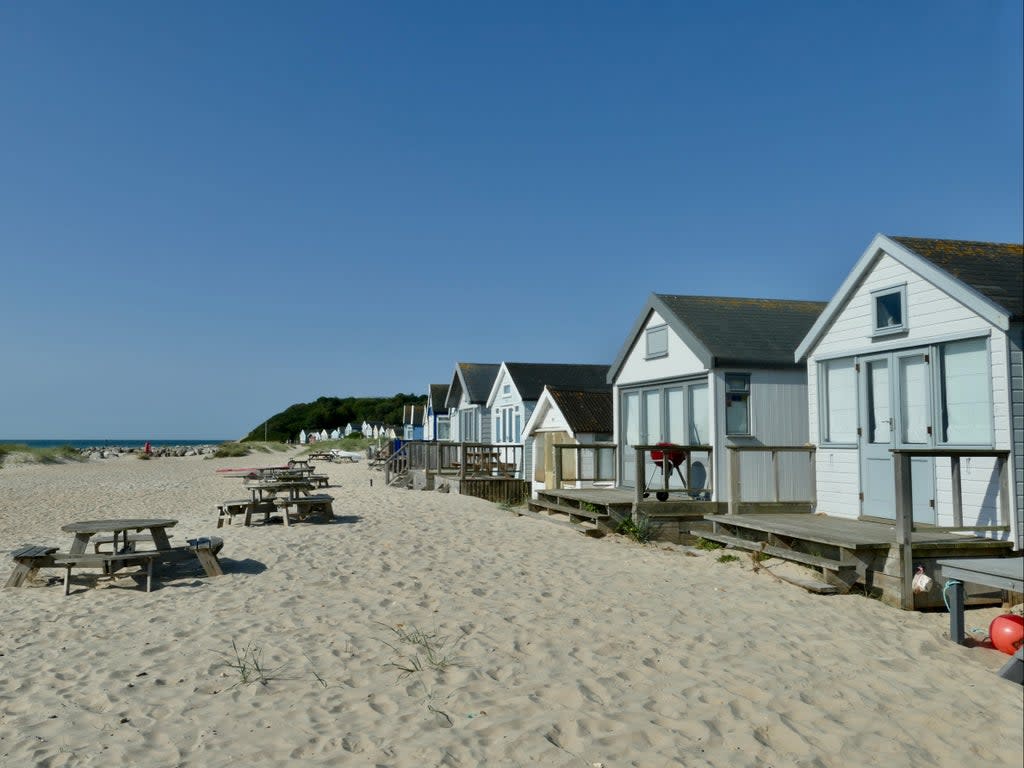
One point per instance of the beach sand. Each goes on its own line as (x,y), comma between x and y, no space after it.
(537,646)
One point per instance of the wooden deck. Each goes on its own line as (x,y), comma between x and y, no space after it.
(843,532)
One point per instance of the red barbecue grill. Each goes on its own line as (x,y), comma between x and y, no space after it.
(675,458)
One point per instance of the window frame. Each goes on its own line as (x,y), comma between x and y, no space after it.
(823,410)
(890,330)
(648,335)
(728,391)
(939,388)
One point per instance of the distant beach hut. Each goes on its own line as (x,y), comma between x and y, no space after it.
(335,434)
(324,435)
(302,437)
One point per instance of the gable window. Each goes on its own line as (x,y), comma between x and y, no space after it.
(889,310)
(966,393)
(657,342)
(507,389)
(837,385)
(737,403)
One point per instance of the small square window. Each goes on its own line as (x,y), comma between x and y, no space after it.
(507,389)
(657,342)
(890,310)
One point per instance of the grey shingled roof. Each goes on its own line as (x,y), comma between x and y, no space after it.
(531,378)
(478,379)
(585,411)
(744,332)
(995,270)
(438,394)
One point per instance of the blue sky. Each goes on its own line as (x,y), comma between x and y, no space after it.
(211,211)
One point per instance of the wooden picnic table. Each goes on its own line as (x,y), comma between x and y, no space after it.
(31,558)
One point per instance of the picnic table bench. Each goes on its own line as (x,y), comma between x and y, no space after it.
(31,558)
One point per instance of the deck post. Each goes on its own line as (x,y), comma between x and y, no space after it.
(1002,467)
(463,460)
(958,497)
(904,528)
(734,482)
(813,473)
(558,466)
(638,496)
(665,477)
(775,473)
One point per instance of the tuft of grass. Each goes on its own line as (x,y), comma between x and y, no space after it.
(727,558)
(430,650)
(248,663)
(231,450)
(707,545)
(640,530)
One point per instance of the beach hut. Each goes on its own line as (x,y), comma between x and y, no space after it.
(572,417)
(412,422)
(323,435)
(302,437)
(466,401)
(514,395)
(435,415)
(920,350)
(719,372)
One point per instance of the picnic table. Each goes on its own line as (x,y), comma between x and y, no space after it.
(125,551)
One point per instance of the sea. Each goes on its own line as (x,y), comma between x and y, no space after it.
(110,443)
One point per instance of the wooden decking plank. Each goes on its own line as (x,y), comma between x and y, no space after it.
(780,552)
(567,510)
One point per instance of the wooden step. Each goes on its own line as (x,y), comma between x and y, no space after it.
(780,552)
(565,509)
(587,529)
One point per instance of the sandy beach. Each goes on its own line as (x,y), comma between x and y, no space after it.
(429,629)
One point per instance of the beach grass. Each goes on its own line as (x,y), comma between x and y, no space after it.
(51,455)
(234,449)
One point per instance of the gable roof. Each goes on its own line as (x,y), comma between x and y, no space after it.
(475,379)
(986,277)
(531,378)
(725,331)
(585,411)
(438,395)
(995,270)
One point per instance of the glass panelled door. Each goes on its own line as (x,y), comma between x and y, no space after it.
(896,413)
(675,413)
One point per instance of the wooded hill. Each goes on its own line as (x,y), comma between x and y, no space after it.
(334,413)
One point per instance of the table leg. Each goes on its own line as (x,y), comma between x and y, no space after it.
(79,544)
(160,540)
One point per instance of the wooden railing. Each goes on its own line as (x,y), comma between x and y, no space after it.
(905,503)
(462,459)
(597,450)
(736,483)
(666,468)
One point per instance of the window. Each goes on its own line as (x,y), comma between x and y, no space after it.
(507,389)
(657,342)
(890,310)
(443,428)
(737,403)
(966,393)
(838,387)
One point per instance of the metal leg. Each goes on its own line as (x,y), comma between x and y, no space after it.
(956,611)
(1013,670)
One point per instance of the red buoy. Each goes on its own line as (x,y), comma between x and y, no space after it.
(1007,632)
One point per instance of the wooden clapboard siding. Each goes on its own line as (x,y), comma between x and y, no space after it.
(680,361)
(1016,355)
